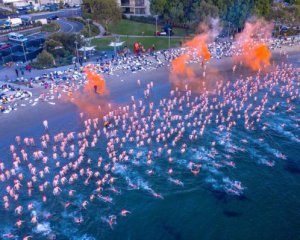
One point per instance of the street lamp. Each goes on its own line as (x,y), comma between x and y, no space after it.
(229,28)
(169,31)
(24,52)
(76,43)
(84,47)
(88,20)
(156,16)
(115,45)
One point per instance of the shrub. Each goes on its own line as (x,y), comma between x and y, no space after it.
(44,60)
(50,27)
(67,40)
(55,48)
(94,30)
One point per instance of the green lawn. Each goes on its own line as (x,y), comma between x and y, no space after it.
(127,27)
(159,42)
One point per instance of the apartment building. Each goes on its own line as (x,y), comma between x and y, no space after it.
(16,3)
(135,7)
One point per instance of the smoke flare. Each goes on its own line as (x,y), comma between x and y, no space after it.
(255,53)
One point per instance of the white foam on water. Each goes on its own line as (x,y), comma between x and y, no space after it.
(288,134)
(43,228)
(83,237)
(269,149)
(144,185)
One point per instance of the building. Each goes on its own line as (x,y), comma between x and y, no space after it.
(15,3)
(135,7)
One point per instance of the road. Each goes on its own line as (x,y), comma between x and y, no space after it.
(69,27)
(61,13)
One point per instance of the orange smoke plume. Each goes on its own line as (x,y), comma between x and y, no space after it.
(257,56)
(96,82)
(180,68)
(255,52)
(91,99)
(181,73)
(93,105)
(200,44)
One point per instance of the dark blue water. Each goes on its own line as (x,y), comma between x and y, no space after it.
(264,159)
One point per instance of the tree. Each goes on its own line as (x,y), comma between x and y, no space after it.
(262,8)
(103,11)
(296,2)
(285,14)
(234,13)
(45,60)
(61,4)
(202,11)
(55,48)
(158,7)
(67,40)
(176,11)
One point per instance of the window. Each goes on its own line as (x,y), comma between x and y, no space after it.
(125,2)
(140,11)
(139,3)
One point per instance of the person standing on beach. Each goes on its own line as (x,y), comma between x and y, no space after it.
(153,49)
(28,67)
(45,123)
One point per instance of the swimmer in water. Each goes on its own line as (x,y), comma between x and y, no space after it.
(124,212)
(8,235)
(78,220)
(157,195)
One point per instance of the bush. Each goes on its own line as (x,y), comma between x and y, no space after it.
(94,30)
(37,24)
(55,48)
(144,19)
(67,40)
(50,27)
(44,60)
(66,60)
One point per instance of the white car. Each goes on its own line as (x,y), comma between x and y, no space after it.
(16,37)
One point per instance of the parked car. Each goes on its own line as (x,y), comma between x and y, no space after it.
(4,45)
(54,17)
(160,33)
(16,37)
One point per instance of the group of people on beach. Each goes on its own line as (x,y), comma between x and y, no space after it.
(117,65)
